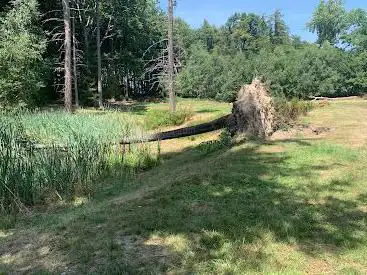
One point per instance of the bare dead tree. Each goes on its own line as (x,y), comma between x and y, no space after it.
(171,88)
(57,36)
(75,61)
(157,68)
(85,20)
(68,99)
(99,58)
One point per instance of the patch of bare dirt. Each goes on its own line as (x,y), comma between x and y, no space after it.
(29,251)
(138,194)
(139,251)
(305,131)
(320,266)
(271,149)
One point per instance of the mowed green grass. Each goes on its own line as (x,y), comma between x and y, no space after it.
(296,205)
(201,110)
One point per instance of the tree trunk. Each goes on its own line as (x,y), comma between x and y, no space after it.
(171,87)
(68,97)
(99,58)
(86,47)
(217,124)
(76,92)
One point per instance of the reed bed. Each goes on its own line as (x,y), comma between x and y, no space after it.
(57,156)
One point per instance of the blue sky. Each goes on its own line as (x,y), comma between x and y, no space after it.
(296,12)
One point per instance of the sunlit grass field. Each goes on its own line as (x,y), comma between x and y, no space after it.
(296,204)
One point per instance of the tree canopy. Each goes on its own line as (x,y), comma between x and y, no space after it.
(212,61)
(22,44)
(328,21)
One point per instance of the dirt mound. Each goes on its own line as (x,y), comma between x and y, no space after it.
(253,112)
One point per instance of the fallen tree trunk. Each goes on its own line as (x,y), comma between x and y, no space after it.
(322,98)
(214,125)
(252,115)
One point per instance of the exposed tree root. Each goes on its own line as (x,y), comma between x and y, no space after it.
(252,115)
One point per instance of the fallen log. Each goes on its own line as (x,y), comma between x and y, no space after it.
(252,115)
(322,98)
(211,126)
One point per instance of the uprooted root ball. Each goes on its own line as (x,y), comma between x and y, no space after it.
(253,112)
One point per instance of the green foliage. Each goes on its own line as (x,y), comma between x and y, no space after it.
(244,33)
(328,21)
(359,76)
(184,35)
(307,70)
(203,75)
(279,29)
(356,38)
(21,48)
(248,46)
(356,34)
(136,26)
(161,118)
(48,127)
(207,35)
(288,111)
(216,61)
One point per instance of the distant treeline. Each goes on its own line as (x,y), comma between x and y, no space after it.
(212,62)
(220,60)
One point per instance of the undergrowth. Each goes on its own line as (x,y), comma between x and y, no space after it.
(288,111)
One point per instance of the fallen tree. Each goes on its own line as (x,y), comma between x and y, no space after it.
(252,115)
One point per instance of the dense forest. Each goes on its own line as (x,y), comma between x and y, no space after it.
(128,39)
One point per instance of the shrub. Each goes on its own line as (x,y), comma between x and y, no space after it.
(288,111)
(161,118)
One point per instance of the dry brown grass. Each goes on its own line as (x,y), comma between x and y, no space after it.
(347,119)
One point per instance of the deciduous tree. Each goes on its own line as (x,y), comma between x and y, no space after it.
(22,44)
(328,21)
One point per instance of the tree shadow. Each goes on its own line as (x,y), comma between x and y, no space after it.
(216,145)
(232,198)
(208,110)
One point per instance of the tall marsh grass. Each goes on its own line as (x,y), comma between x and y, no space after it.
(76,152)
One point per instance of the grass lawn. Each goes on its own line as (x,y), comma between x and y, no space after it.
(203,110)
(295,204)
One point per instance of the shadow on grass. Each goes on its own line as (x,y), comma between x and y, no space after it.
(213,146)
(206,209)
(208,110)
